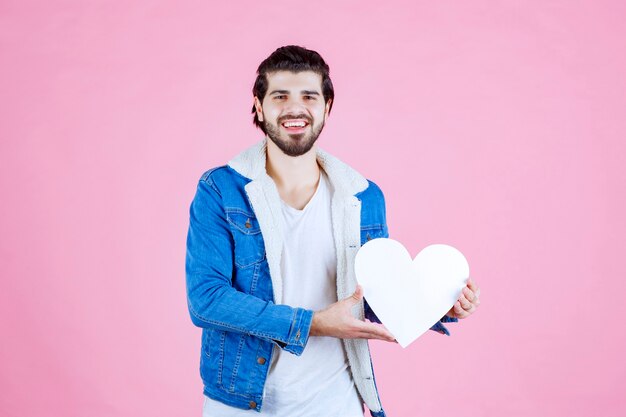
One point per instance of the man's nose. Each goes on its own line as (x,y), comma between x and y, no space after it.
(294,105)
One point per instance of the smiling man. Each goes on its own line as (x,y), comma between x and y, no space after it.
(270,261)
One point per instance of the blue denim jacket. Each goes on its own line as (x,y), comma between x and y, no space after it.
(233,278)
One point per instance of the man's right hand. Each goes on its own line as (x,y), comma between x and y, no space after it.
(337,320)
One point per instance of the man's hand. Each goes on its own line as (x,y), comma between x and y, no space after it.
(337,320)
(467,302)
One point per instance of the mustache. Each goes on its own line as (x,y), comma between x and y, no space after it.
(297,116)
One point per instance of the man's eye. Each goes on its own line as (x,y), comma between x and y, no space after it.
(280,96)
(309,97)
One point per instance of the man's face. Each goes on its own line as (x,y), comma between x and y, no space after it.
(293,111)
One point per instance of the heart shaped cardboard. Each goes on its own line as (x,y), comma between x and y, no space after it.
(410,296)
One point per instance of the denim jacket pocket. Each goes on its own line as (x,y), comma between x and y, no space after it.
(371,231)
(249,245)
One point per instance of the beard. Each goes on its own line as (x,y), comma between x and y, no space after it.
(296,144)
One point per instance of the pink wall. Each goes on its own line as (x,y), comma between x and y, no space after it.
(497,127)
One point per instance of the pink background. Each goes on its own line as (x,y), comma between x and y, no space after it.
(497,127)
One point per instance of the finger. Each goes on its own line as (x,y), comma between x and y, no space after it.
(375,330)
(470,309)
(469,294)
(465,303)
(459,311)
(357,295)
(373,335)
(383,333)
(368,335)
(472,286)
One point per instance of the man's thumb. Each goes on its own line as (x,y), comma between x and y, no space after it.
(357,295)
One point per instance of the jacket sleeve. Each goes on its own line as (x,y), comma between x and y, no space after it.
(211,298)
(369,313)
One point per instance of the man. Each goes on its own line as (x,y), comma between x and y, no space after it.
(270,261)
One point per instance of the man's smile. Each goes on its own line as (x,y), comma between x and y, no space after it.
(295,125)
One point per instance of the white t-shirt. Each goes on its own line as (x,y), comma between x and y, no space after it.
(319,381)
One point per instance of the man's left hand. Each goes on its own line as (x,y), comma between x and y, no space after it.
(467,303)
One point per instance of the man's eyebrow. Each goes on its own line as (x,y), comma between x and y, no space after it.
(309,92)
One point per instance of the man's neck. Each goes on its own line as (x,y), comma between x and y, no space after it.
(291,173)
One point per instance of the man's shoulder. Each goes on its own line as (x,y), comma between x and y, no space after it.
(210,174)
(222,175)
(373,191)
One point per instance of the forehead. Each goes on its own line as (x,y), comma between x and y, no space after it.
(287,80)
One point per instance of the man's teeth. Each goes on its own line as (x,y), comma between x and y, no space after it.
(294,124)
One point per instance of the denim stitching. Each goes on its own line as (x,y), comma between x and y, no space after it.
(237,329)
(256,230)
(248,236)
(206,177)
(255,277)
(252,376)
(300,324)
(207,350)
(238,210)
(240,265)
(296,328)
(242,338)
(372,226)
(244,395)
(256,235)
(208,180)
(293,320)
(220,365)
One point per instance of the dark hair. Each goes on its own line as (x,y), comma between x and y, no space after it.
(296,59)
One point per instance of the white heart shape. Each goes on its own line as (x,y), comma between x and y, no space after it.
(410,296)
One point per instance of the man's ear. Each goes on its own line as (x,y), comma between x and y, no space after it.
(259,109)
(328,106)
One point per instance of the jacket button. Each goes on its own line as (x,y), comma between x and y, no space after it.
(261,361)
(369,237)
(248,225)
(252,404)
